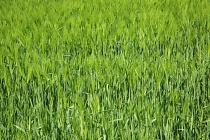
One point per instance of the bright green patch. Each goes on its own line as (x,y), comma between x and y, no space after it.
(93,69)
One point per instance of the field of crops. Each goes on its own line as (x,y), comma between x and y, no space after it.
(105,69)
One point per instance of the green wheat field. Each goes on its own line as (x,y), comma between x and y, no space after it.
(105,69)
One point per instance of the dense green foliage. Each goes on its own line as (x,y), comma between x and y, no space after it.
(112,69)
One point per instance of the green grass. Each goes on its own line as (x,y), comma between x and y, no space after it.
(93,69)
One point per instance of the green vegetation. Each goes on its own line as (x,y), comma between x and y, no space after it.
(112,69)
